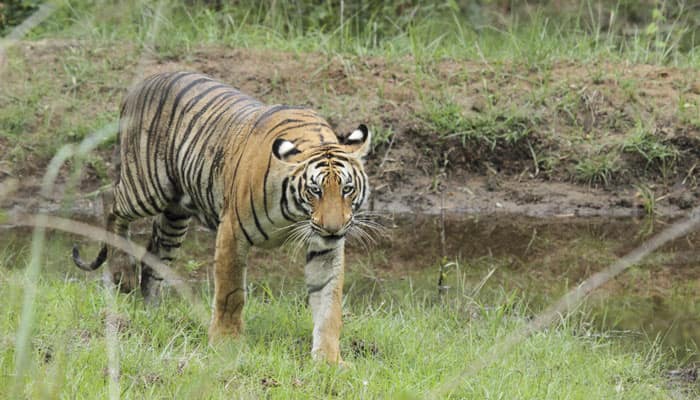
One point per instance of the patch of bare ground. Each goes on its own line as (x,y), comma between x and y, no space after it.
(573,151)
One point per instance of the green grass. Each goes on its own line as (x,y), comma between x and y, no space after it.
(491,127)
(400,339)
(402,346)
(648,145)
(43,108)
(527,102)
(426,31)
(598,167)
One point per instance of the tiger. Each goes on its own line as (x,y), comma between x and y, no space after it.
(259,175)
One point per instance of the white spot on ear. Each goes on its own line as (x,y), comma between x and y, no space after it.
(285,148)
(356,136)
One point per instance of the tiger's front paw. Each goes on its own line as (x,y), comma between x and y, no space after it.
(329,354)
(219,332)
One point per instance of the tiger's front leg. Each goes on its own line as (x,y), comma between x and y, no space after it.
(229,283)
(324,272)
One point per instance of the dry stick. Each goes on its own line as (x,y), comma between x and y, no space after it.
(442,287)
(572,299)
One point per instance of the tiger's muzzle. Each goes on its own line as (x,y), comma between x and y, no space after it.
(330,232)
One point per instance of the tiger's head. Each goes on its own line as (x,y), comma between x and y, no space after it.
(327,184)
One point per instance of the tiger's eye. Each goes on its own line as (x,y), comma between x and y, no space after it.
(315,190)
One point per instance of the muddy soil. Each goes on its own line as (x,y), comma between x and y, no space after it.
(579,110)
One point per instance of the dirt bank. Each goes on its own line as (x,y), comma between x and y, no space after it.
(540,140)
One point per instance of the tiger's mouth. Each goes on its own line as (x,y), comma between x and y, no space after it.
(330,236)
(333,237)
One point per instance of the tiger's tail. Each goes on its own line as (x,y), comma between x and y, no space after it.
(107,198)
(95,264)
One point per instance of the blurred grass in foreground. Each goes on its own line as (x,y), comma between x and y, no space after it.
(400,341)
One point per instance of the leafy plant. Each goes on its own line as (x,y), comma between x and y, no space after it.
(598,168)
(645,143)
(492,127)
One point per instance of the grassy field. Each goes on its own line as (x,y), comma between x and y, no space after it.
(656,32)
(400,339)
(597,93)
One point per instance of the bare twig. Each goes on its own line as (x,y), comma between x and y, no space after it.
(444,265)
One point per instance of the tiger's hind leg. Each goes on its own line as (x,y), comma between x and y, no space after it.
(169,230)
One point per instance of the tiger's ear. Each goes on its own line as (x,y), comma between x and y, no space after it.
(357,142)
(283,149)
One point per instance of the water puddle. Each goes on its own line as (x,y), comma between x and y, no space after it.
(537,258)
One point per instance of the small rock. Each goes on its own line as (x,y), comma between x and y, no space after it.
(685,201)
(689,374)
(695,88)
(151,379)
(479,105)
(360,348)
(269,382)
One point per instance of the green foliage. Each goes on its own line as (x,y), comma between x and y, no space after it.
(597,168)
(648,199)
(491,127)
(403,346)
(689,111)
(381,135)
(425,30)
(645,143)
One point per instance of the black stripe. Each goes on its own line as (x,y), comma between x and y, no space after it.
(289,128)
(270,111)
(149,273)
(147,203)
(216,166)
(240,224)
(317,288)
(297,196)
(153,136)
(255,216)
(283,200)
(267,172)
(283,122)
(327,154)
(175,217)
(189,160)
(363,182)
(243,147)
(193,160)
(176,102)
(313,254)
(169,246)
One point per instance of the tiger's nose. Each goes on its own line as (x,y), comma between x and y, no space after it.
(329,226)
